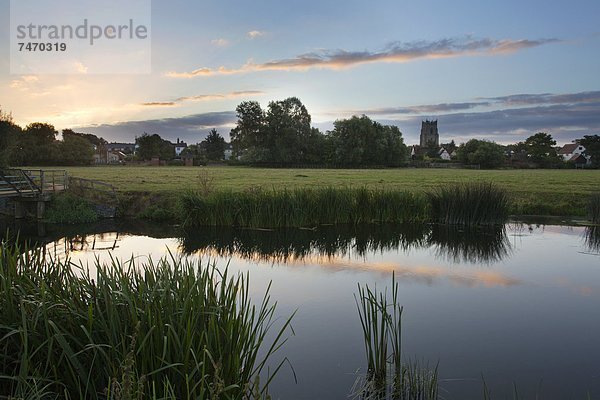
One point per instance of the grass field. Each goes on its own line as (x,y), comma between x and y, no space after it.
(545,192)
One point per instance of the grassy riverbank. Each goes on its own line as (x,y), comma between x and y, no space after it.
(532,192)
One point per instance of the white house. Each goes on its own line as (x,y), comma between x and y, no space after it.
(570,151)
(179,147)
(444,155)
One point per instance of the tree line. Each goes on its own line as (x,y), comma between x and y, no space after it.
(281,135)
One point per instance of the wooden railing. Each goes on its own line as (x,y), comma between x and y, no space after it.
(31,182)
(49,180)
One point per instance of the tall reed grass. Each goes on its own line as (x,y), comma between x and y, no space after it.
(594,208)
(171,329)
(388,376)
(469,204)
(301,207)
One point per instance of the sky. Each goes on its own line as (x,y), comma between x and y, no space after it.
(492,70)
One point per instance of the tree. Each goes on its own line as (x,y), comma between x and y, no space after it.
(282,134)
(360,141)
(214,146)
(37,145)
(75,150)
(540,149)
(592,148)
(485,153)
(154,146)
(248,133)
(288,130)
(9,132)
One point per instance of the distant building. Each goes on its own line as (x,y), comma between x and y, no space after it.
(179,147)
(444,154)
(570,150)
(126,148)
(430,137)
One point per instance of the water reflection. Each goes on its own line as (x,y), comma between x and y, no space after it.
(487,245)
(460,245)
(592,239)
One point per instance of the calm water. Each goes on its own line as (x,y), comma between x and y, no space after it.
(516,305)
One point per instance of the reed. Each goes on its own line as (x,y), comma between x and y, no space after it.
(594,208)
(304,207)
(166,329)
(469,204)
(388,377)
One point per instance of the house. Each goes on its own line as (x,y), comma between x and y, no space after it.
(125,148)
(443,154)
(115,157)
(419,153)
(228,153)
(179,147)
(569,150)
(113,153)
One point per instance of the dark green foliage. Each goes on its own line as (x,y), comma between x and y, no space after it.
(300,207)
(540,149)
(173,329)
(154,146)
(9,132)
(67,208)
(158,213)
(481,152)
(91,138)
(594,208)
(75,150)
(280,135)
(36,145)
(214,146)
(359,141)
(469,204)
(592,148)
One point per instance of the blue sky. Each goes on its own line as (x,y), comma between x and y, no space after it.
(495,70)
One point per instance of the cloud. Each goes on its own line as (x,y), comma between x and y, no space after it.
(511,118)
(204,97)
(220,42)
(421,109)
(565,122)
(191,128)
(23,82)
(255,34)
(548,98)
(396,52)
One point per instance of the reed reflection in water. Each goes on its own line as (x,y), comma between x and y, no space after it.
(483,246)
(592,239)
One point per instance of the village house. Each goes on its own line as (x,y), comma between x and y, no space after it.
(179,147)
(569,151)
(113,153)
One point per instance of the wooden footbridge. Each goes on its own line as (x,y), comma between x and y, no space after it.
(31,186)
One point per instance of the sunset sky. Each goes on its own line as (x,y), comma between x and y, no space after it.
(495,70)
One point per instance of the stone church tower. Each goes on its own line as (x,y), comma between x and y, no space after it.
(429,134)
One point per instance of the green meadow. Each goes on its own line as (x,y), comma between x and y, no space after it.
(532,192)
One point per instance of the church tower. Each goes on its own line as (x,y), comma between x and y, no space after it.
(429,134)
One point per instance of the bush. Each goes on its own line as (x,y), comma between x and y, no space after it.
(66,208)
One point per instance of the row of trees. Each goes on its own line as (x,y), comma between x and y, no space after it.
(539,149)
(282,134)
(37,145)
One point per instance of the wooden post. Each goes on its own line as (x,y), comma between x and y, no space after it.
(42,181)
(19,210)
(41,209)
